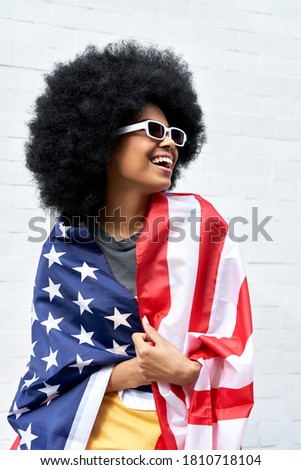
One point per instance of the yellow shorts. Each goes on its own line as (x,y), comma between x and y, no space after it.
(120,428)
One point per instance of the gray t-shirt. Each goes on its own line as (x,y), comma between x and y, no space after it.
(120,255)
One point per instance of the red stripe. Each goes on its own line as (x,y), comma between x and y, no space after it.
(232,403)
(16,444)
(244,327)
(212,234)
(218,404)
(200,411)
(151,250)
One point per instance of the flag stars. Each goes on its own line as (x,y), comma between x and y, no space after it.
(118,349)
(52,323)
(18,411)
(27,437)
(34,316)
(83,303)
(53,290)
(51,391)
(51,359)
(86,271)
(84,336)
(64,229)
(119,318)
(28,382)
(54,256)
(80,363)
(32,349)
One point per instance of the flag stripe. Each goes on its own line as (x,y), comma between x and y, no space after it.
(212,232)
(16,444)
(228,434)
(88,408)
(151,250)
(226,292)
(167,439)
(227,403)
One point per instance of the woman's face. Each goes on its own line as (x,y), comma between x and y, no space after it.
(131,167)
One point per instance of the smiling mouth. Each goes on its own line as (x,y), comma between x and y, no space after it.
(165,162)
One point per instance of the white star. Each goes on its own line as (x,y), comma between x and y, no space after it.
(18,411)
(83,303)
(86,270)
(54,256)
(32,349)
(80,363)
(51,392)
(28,382)
(53,290)
(52,323)
(51,359)
(63,228)
(84,336)
(27,437)
(118,349)
(33,315)
(119,318)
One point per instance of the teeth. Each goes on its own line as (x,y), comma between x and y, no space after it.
(162,159)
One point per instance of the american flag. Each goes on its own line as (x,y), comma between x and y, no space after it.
(192,288)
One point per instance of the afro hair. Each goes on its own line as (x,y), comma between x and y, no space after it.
(73,130)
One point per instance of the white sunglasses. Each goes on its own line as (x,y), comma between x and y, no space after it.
(156,130)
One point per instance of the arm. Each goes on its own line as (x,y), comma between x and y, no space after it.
(125,375)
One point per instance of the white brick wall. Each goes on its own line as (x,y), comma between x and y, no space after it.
(246,57)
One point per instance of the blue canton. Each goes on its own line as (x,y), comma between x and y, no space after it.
(82,320)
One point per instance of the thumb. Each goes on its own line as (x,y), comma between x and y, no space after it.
(152,334)
(139,338)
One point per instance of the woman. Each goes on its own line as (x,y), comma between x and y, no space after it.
(141,317)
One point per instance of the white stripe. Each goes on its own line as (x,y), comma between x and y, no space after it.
(230,277)
(228,434)
(198,437)
(87,410)
(176,413)
(182,260)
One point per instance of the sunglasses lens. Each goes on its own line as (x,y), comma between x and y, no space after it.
(177,136)
(156,130)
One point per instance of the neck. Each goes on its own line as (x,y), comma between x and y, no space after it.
(124,214)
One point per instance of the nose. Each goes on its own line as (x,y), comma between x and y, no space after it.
(167,141)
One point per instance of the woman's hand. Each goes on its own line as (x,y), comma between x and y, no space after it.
(160,361)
